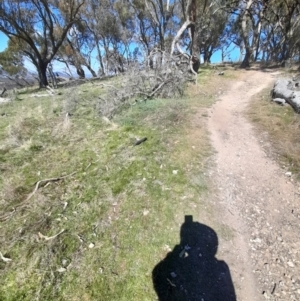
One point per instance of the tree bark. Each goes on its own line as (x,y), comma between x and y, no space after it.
(42,70)
(246,60)
(80,72)
(245,35)
(91,70)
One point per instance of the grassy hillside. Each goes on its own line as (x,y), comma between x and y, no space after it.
(116,207)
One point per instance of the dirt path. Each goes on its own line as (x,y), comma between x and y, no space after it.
(255,199)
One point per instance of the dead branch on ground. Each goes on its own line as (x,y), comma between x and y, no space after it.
(41,236)
(160,75)
(46,181)
(5,259)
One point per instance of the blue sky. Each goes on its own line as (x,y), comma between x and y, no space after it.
(3,41)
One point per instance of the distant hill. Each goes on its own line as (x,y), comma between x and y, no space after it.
(17,81)
(30,79)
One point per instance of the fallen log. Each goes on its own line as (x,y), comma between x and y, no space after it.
(287,90)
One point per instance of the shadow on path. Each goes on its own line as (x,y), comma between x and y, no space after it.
(191,272)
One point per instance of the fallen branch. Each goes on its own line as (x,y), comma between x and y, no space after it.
(171,283)
(45,181)
(41,236)
(5,259)
(3,218)
(50,90)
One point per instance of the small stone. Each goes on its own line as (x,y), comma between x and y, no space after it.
(187,247)
(266,295)
(257,240)
(175,172)
(61,270)
(290,264)
(167,248)
(145,212)
(64,262)
(288,174)
(91,245)
(173,275)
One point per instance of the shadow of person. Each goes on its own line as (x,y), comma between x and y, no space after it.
(191,272)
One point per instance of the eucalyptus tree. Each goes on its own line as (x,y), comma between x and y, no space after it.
(42,25)
(156,21)
(211,33)
(107,21)
(188,24)
(11,60)
(248,17)
(78,48)
(282,33)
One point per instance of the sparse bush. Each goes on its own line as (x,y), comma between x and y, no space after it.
(160,75)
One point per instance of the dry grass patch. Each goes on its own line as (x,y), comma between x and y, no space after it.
(282,125)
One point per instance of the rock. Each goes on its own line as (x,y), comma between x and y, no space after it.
(91,245)
(288,174)
(173,275)
(187,247)
(290,264)
(266,295)
(285,89)
(145,212)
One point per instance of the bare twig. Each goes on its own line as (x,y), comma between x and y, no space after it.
(5,259)
(45,181)
(171,283)
(50,90)
(50,237)
(7,216)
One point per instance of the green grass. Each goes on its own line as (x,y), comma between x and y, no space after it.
(128,201)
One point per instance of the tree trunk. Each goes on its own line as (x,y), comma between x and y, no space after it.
(195,64)
(245,36)
(206,57)
(91,70)
(246,61)
(42,70)
(80,72)
(100,59)
(241,52)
